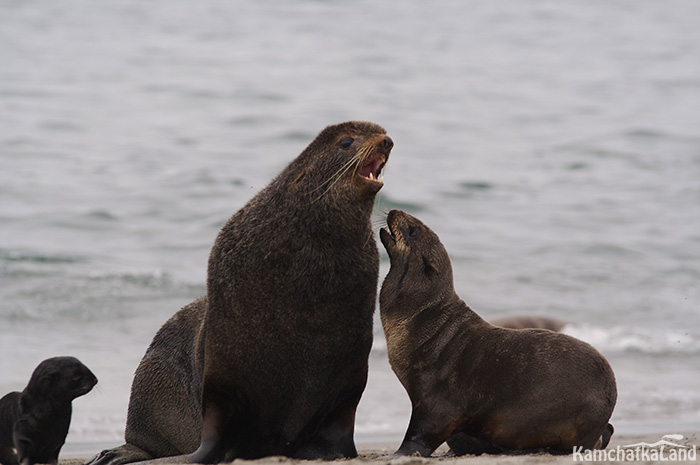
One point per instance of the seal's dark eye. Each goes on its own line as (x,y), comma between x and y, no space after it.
(345,143)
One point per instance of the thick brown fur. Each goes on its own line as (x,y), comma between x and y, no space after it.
(273,360)
(529,321)
(165,414)
(34,423)
(480,387)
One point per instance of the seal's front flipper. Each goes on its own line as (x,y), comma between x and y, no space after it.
(425,434)
(211,448)
(334,439)
(605,437)
(209,451)
(214,422)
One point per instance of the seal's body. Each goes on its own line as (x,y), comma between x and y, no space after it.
(34,423)
(480,387)
(273,360)
(164,417)
(529,321)
(292,286)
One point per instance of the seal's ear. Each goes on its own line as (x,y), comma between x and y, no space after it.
(429,266)
(46,382)
(24,404)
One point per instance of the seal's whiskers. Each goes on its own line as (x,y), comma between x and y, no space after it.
(353,163)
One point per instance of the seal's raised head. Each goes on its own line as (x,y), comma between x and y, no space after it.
(62,378)
(353,151)
(420,266)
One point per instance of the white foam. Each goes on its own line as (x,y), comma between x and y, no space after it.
(618,339)
(635,339)
(99,427)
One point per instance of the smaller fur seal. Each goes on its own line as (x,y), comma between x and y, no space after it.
(480,387)
(34,423)
(529,321)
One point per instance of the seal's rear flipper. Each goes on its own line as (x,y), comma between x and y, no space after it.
(605,437)
(462,444)
(126,453)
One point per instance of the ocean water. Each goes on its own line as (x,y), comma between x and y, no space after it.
(553,145)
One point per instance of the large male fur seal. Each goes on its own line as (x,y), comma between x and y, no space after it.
(477,386)
(34,423)
(273,360)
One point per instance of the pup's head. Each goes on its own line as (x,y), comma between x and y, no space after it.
(420,271)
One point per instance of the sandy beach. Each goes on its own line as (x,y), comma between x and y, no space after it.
(372,453)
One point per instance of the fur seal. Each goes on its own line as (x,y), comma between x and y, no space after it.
(529,321)
(164,414)
(273,360)
(34,423)
(477,386)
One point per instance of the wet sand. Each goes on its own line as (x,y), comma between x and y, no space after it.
(372,453)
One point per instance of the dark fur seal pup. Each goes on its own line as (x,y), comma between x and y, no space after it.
(273,360)
(477,386)
(529,321)
(34,423)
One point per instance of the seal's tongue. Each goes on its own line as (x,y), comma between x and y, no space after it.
(373,167)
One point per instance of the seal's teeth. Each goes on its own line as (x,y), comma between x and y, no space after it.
(371,175)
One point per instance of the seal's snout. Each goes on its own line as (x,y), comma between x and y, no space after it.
(82,381)
(388,239)
(388,143)
(90,381)
(391,235)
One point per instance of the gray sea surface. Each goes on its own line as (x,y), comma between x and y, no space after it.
(553,145)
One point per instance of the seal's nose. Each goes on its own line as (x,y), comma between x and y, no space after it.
(388,143)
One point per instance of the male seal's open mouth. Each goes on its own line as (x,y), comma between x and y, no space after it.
(373,167)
